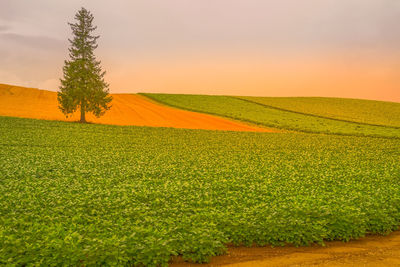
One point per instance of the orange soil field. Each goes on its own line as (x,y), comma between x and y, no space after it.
(127,109)
(372,250)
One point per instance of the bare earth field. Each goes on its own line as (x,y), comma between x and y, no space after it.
(127,109)
(369,251)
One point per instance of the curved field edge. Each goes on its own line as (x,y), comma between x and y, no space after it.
(258,102)
(74,194)
(150,97)
(355,129)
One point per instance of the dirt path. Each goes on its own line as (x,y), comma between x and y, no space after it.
(372,250)
(127,109)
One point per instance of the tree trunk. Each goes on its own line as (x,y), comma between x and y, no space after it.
(83,120)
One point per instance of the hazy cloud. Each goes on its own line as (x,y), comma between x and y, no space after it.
(4,28)
(35,42)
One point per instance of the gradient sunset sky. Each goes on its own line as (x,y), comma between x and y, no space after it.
(338,48)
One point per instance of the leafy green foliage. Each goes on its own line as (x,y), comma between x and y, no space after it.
(83,85)
(77,194)
(356,110)
(242,109)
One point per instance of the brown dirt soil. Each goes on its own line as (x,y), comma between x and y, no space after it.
(127,109)
(372,250)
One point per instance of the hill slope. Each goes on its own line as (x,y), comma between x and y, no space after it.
(127,109)
(355,110)
(242,109)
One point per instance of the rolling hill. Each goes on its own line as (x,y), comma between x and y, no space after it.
(345,109)
(127,109)
(253,110)
(92,194)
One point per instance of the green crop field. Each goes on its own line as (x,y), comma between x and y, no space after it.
(82,195)
(257,113)
(356,110)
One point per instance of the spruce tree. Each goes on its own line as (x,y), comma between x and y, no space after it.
(83,84)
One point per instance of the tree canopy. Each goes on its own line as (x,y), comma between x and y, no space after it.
(83,86)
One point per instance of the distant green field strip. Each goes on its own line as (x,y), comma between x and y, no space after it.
(377,113)
(257,102)
(239,109)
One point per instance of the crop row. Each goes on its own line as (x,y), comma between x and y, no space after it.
(354,110)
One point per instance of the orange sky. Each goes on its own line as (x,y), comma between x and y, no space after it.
(339,48)
(343,75)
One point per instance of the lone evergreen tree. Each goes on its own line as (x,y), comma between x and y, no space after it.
(83,84)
